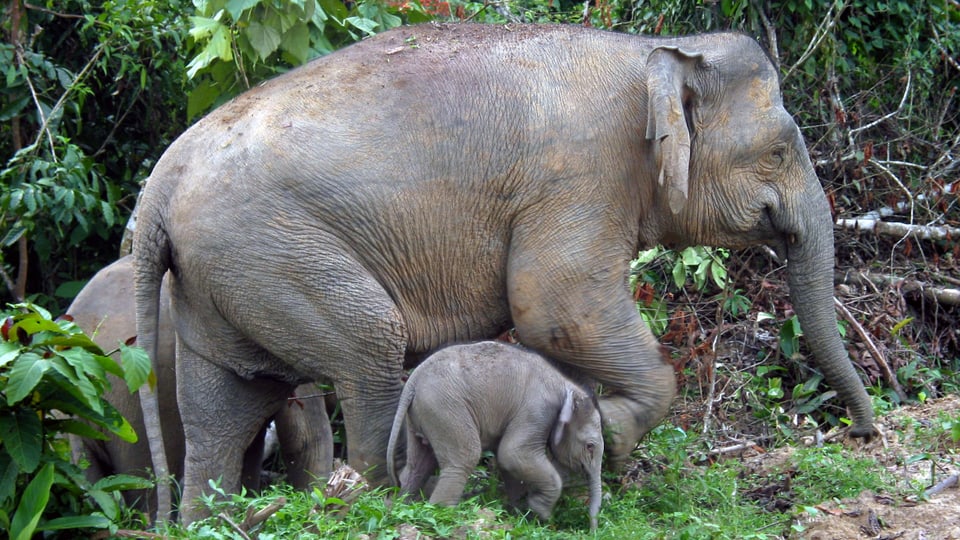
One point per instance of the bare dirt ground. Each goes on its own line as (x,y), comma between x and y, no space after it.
(907,514)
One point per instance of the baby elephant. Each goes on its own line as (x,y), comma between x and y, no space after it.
(493,396)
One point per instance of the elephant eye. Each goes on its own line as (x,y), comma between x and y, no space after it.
(775,157)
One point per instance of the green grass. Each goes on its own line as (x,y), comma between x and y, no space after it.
(673,498)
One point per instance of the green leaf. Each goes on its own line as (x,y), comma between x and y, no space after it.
(236,7)
(22,433)
(79,428)
(122,482)
(136,366)
(679,274)
(691,256)
(25,374)
(362,23)
(9,350)
(719,274)
(32,504)
(33,323)
(264,39)
(92,521)
(296,41)
(9,471)
(106,501)
(202,27)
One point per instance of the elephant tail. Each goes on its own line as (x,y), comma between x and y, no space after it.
(151,251)
(406,398)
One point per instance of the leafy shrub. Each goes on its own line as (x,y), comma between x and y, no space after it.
(52,377)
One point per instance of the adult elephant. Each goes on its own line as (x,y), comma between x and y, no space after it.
(105,309)
(440,183)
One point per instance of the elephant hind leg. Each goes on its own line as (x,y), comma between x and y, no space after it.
(222,414)
(420,466)
(458,452)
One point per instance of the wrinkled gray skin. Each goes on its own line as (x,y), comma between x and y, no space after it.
(465,399)
(440,183)
(105,309)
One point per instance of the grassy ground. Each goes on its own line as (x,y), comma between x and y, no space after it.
(674,489)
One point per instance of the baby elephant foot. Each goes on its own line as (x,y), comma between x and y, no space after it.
(541,503)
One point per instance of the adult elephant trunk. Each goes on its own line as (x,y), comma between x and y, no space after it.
(810,262)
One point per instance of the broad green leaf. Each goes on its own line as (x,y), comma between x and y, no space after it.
(92,521)
(647,256)
(109,365)
(33,323)
(25,374)
(136,366)
(719,274)
(333,8)
(122,482)
(9,350)
(9,470)
(691,256)
(84,362)
(32,504)
(203,27)
(296,41)
(679,274)
(236,7)
(362,23)
(106,501)
(79,428)
(22,433)
(264,39)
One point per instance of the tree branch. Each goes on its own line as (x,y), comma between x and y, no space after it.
(878,357)
(918,232)
(941,295)
(822,31)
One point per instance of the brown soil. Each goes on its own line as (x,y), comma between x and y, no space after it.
(905,515)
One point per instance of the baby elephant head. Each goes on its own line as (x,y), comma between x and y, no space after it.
(577,442)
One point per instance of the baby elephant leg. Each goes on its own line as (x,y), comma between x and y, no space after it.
(458,457)
(420,465)
(529,464)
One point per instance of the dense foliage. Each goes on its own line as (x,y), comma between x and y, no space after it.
(51,377)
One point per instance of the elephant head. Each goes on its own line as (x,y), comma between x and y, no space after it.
(733,171)
(577,443)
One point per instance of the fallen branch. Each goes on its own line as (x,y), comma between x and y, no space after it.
(941,295)
(920,232)
(127,533)
(748,445)
(888,373)
(234,526)
(947,482)
(253,519)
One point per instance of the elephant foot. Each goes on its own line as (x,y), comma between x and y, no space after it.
(625,422)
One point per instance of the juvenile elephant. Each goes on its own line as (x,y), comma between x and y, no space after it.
(105,309)
(440,183)
(493,396)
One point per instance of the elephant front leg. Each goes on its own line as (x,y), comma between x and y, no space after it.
(222,414)
(585,317)
(525,466)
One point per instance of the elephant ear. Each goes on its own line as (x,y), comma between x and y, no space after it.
(564,418)
(668,69)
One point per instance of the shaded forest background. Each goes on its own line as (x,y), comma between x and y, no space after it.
(95,91)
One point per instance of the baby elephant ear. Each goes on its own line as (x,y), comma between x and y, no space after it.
(563,420)
(668,68)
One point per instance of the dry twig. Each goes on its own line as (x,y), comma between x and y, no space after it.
(888,374)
